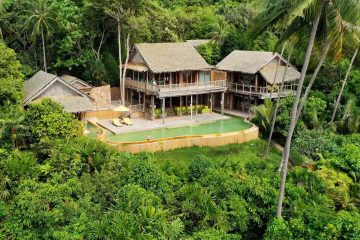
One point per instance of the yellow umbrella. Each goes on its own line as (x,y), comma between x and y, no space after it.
(121,108)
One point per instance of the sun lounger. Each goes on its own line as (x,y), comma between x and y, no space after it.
(127,121)
(116,122)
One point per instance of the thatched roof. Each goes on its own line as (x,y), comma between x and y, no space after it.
(268,72)
(198,42)
(246,61)
(73,80)
(36,83)
(136,67)
(41,81)
(171,57)
(74,104)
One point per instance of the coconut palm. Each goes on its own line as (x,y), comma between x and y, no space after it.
(220,31)
(290,16)
(120,11)
(40,20)
(343,86)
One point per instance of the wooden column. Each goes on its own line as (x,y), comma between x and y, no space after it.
(181,106)
(144,102)
(231,105)
(139,98)
(211,102)
(196,104)
(222,102)
(152,108)
(163,110)
(131,95)
(191,107)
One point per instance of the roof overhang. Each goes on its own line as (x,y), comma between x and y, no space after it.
(136,67)
(268,72)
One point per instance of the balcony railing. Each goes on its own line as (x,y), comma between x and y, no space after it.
(174,87)
(288,89)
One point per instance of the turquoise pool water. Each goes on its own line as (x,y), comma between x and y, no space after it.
(222,126)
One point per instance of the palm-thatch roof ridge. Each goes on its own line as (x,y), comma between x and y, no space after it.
(171,57)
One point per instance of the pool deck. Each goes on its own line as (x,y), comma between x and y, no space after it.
(141,124)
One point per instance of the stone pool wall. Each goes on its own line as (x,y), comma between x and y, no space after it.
(210,140)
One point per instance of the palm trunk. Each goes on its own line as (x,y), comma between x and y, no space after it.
(313,78)
(293,122)
(43,45)
(343,86)
(120,62)
(277,106)
(277,70)
(126,63)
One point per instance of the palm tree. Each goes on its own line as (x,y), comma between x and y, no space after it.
(120,11)
(220,31)
(290,16)
(273,121)
(343,86)
(40,20)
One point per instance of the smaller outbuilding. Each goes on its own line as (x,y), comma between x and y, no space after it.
(46,85)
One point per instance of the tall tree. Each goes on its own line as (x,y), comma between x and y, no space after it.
(120,11)
(343,86)
(290,16)
(40,20)
(273,121)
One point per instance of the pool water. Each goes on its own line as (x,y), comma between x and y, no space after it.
(232,124)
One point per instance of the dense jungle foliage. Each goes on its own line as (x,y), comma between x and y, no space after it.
(57,184)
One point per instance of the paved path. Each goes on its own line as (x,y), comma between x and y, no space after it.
(141,124)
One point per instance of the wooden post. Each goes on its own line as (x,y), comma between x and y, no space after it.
(144,102)
(152,108)
(170,82)
(131,93)
(222,103)
(163,110)
(191,107)
(139,98)
(196,104)
(171,102)
(211,102)
(181,106)
(231,105)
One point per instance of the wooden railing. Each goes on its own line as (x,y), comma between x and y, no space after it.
(245,88)
(170,87)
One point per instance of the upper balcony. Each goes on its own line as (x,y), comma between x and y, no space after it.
(263,92)
(181,89)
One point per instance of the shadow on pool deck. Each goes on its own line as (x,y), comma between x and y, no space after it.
(141,124)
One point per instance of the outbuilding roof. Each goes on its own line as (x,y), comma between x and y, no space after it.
(73,80)
(269,72)
(41,81)
(171,57)
(246,61)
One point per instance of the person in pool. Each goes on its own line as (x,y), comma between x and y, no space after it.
(148,137)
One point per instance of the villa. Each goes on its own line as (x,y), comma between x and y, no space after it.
(172,82)
(163,75)
(250,77)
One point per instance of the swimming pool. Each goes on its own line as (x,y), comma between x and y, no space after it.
(233,124)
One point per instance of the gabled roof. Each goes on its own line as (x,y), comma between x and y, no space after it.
(171,57)
(246,61)
(38,83)
(73,104)
(72,80)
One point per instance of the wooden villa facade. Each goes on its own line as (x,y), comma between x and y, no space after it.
(171,79)
(250,77)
